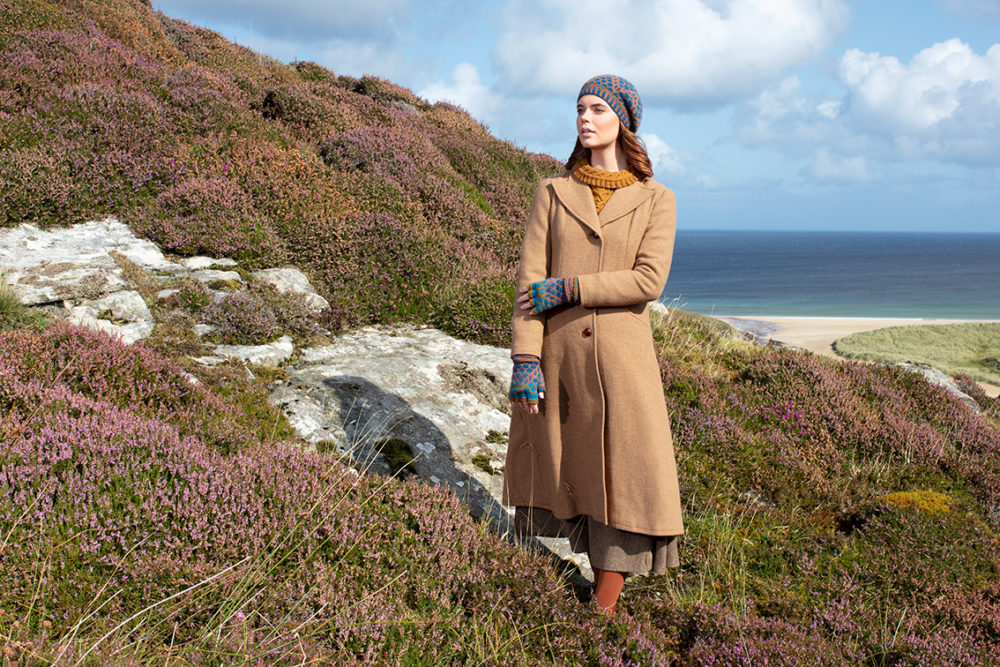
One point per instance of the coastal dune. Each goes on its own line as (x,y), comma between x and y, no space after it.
(817,334)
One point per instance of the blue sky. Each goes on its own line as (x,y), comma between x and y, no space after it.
(760,114)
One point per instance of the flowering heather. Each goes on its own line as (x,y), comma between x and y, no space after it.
(207,148)
(95,365)
(260,315)
(107,509)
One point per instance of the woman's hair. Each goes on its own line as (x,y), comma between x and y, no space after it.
(635,153)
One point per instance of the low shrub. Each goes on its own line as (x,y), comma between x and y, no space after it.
(258,315)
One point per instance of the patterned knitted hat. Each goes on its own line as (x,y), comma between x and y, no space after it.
(620,94)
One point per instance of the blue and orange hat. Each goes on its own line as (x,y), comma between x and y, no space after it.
(620,95)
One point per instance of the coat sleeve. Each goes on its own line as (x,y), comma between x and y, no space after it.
(645,280)
(527,329)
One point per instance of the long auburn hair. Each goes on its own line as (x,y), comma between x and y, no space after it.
(632,147)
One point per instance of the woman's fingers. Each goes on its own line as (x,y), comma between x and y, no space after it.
(530,408)
(525,300)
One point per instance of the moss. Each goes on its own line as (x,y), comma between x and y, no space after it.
(227,285)
(472,192)
(108,315)
(928,501)
(269,374)
(496,438)
(326,447)
(398,455)
(482,461)
(685,390)
(268,423)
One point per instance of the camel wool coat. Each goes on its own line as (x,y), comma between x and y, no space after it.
(600,444)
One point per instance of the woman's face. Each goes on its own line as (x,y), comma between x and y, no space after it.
(596,124)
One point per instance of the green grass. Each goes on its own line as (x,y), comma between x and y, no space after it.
(971,348)
(13,313)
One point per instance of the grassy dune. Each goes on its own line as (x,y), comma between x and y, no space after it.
(837,513)
(970,348)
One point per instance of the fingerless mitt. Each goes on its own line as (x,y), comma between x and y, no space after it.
(553,292)
(526,382)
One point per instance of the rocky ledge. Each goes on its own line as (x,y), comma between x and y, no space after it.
(80,273)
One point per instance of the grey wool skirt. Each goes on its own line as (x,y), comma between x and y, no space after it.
(608,548)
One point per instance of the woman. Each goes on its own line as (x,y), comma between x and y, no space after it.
(592,459)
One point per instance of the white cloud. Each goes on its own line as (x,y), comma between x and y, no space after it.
(348,37)
(358,57)
(940,83)
(467,91)
(833,168)
(295,20)
(689,52)
(973,8)
(783,116)
(828,109)
(662,155)
(944,105)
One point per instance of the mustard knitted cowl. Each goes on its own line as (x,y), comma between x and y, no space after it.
(603,183)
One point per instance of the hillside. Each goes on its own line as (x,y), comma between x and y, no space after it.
(837,513)
(109,108)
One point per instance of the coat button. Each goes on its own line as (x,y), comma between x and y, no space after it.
(588,332)
(595,235)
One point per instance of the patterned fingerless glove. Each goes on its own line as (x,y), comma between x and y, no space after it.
(553,292)
(526,383)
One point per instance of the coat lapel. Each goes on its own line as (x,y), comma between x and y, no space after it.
(576,197)
(623,201)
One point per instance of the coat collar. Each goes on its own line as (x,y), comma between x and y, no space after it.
(576,197)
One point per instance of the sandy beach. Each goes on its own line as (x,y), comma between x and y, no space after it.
(817,334)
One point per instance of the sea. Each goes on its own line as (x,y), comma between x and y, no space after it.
(836,274)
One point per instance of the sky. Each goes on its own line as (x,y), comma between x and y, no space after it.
(874,115)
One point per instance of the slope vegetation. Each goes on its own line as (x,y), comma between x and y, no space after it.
(398,210)
(837,513)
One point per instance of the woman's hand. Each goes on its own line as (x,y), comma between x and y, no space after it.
(530,408)
(542,295)
(524,300)
(527,386)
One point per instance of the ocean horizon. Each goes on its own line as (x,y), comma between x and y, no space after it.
(925,275)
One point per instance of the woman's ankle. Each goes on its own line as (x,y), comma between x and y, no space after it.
(608,587)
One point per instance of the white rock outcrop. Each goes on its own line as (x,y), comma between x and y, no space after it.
(289,279)
(270,354)
(73,263)
(443,396)
(941,379)
(122,313)
(213,275)
(74,267)
(202,262)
